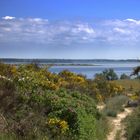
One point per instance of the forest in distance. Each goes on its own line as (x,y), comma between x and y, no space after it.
(63,61)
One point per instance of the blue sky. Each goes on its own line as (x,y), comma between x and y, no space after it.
(79,29)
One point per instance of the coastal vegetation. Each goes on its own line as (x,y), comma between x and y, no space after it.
(38,104)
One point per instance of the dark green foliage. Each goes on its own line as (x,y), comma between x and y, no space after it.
(8,137)
(111,113)
(7,89)
(108,74)
(75,109)
(136,71)
(133,125)
(102,127)
(37,104)
(124,76)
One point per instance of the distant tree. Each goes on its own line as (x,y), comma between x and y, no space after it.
(136,71)
(100,76)
(124,76)
(109,74)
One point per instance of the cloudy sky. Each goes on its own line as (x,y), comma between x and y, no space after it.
(79,29)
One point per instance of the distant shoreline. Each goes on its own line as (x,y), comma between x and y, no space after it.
(71,65)
(63,61)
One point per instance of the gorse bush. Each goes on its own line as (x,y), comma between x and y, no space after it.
(7,70)
(103,89)
(64,114)
(37,104)
(74,108)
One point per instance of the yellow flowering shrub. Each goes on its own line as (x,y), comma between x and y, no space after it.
(135,97)
(58,125)
(115,88)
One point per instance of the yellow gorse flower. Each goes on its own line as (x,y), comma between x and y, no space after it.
(61,124)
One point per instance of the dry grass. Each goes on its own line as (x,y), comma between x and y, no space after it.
(130,86)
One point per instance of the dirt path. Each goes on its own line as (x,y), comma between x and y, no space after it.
(117,124)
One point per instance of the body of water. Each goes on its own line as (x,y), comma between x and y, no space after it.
(90,71)
(85,67)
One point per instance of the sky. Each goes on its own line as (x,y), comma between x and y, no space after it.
(70,29)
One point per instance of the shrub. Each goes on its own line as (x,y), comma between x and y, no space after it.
(111,113)
(102,128)
(114,105)
(101,89)
(76,109)
(108,74)
(7,70)
(73,81)
(36,106)
(124,76)
(133,125)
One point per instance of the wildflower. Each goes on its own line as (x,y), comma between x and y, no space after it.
(62,125)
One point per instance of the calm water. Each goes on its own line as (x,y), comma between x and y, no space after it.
(90,71)
(119,66)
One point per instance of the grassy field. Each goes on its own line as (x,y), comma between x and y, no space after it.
(130,86)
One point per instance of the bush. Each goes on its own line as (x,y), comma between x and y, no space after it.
(108,74)
(124,76)
(102,128)
(114,105)
(40,105)
(111,113)
(73,81)
(133,125)
(102,89)
(7,70)
(79,111)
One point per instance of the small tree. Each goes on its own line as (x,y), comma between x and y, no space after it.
(136,71)
(108,74)
(124,76)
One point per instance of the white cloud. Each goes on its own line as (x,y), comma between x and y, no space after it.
(122,31)
(133,21)
(116,23)
(7,29)
(84,28)
(8,17)
(38,30)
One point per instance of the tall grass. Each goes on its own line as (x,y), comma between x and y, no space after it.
(114,105)
(6,136)
(133,125)
(130,85)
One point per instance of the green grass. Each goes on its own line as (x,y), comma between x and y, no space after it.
(114,105)
(118,135)
(5,136)
(133,125)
